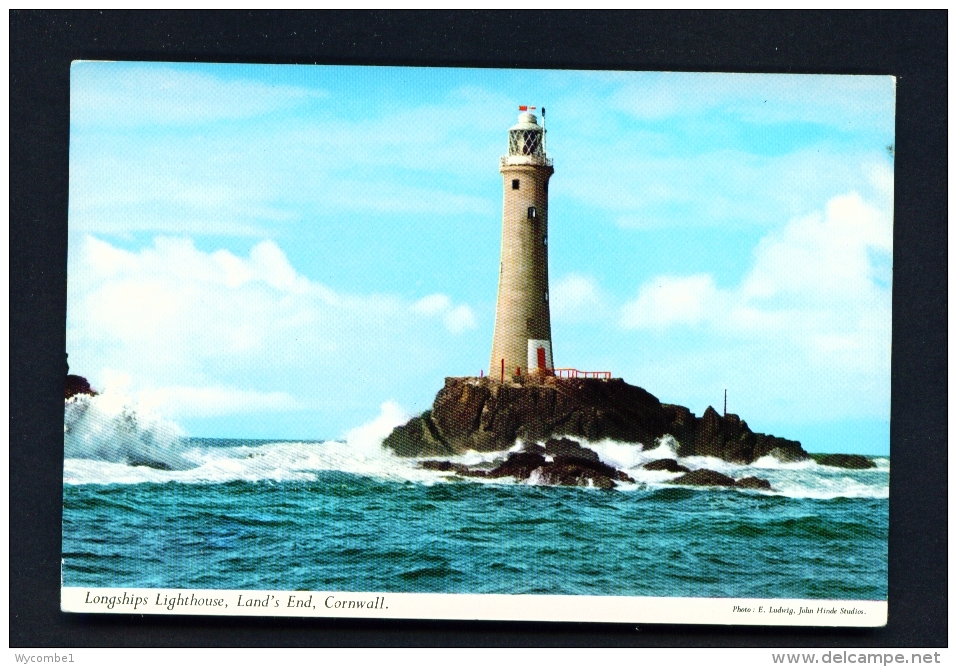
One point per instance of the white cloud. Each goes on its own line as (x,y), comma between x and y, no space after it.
(817,270)
(247,177)
(459,319)
(669,300)
(807,331)
(432,304)
(380,196)
(153,94)
(456,318)
(241,180)
(728,187)
(211,333)
(185,402)
(821,258)
(576,298)
(846,102)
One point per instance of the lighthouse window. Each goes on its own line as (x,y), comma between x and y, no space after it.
(515,184)
(525,142)
(532,143)
(546,295)
(532,213)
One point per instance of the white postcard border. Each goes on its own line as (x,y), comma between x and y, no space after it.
(486,607)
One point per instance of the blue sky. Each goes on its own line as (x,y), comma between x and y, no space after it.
(279,251)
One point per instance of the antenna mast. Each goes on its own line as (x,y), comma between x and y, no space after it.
(544,133)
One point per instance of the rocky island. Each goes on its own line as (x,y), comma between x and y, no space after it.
(485,415)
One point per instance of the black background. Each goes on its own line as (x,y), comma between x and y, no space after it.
(910,45)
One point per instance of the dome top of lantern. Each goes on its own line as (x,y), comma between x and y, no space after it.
(526,121)
(526,141)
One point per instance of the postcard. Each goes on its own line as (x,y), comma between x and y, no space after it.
(384,342)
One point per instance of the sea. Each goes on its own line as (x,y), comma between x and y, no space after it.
(146,506)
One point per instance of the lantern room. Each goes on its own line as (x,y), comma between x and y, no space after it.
(526,137)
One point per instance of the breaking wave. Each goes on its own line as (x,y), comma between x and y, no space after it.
(111,428)
(110,440)
(798,479)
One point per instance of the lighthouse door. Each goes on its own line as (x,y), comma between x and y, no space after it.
(539,355)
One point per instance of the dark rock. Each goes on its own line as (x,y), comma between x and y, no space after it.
(752,483)
(786,450)
(148,463)
(441,466)
(76,384)
(703,477)
(518,465)
(729,438)
(665,464)
(851,461)
(573,472)
(485,415)
(418,437)
(457,468)
(566,447)
(445,466)
(594,466)
(785,455)
(533,448)
(563,471)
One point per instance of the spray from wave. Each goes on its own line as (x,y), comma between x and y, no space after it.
(110,439)
(111,427)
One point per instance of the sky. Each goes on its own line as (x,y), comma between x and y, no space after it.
(278,251)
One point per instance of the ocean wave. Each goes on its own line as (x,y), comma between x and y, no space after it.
(276,462)
(110,440)
(112,428)
(773,463)
(305,461)
(797,479)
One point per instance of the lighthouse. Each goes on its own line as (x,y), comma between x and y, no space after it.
(522,343)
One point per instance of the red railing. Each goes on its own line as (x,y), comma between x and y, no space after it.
(575,373)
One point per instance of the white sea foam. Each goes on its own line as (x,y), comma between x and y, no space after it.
(278,461)
(827,487)
(797,479)
(110,440)
(102,448)
(633,455)
(535,479)
(111,427)
(773,463)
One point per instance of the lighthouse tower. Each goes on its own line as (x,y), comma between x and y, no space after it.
(522,344)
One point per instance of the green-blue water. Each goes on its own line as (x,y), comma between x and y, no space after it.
(336,516)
